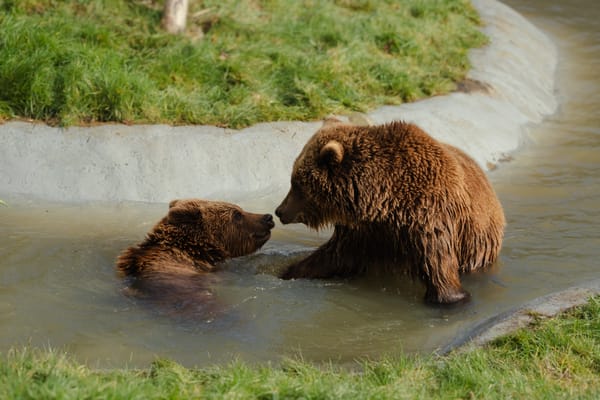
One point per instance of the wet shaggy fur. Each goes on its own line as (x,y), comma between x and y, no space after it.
(398,200)
(172,266)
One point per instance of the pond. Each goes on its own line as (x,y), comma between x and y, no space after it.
(58,286)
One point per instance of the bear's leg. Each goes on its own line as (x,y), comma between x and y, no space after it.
(439,270)
(318,265)
(446,293)
(332,259)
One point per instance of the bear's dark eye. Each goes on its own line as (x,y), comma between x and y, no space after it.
(237,216)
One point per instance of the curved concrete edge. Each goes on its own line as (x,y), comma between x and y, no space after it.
(517,75)
(520,317)
(158,163)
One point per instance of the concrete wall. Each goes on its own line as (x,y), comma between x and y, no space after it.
(159,163)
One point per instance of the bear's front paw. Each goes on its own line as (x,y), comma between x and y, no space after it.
(299,271)
(453,297)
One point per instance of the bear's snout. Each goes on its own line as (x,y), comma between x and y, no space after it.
(281,214)
(262,229)
(278,212)
(267,219)
(283,211)
(288,212)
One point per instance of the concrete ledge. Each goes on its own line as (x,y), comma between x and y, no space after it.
(159,163)
(524,315)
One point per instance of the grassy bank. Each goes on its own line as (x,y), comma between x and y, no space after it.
(73,62)
(555,359)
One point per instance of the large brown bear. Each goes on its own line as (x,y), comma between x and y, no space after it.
(172,265)
(398,200)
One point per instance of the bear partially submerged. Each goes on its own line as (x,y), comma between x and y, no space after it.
(172,266)
(398,200)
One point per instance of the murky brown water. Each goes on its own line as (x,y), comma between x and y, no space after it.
(58,286)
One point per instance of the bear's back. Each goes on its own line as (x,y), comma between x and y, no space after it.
(147,260)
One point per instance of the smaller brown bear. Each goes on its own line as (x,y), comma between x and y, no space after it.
(171,266)
(398,200)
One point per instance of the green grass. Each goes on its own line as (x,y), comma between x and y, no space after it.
(85,61)
(554,359)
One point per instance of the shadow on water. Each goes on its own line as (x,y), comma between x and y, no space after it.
(58,285)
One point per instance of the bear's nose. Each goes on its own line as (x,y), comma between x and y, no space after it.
(278,211)
(268,219)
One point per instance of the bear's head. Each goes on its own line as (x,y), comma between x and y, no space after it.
(218,230)
(324,185)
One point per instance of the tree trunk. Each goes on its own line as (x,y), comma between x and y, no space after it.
(175,15)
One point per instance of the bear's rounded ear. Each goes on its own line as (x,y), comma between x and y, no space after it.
(184,215)
(330,121)
(332,153)
(173,203)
